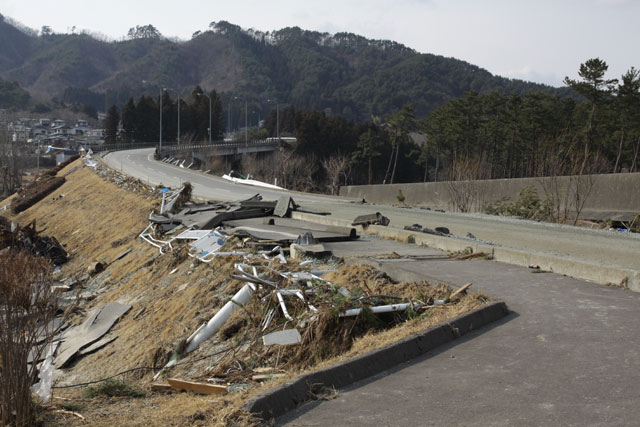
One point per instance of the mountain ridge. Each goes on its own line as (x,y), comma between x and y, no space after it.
(349,74)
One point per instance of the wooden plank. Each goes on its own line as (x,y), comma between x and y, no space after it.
(161,387)
(460,290)
(264,370)
(200,388)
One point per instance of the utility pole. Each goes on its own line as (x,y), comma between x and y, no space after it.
(161,92)
(246,128)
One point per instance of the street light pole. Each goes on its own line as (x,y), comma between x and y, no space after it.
(179,99)
(178,119)
(161,92)
(277,118)
(246,129)
(229,120)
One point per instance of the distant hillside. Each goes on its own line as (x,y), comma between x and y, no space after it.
(349,74)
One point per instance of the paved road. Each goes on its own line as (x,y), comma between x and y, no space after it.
(140,164)
(618,249)
(569,355)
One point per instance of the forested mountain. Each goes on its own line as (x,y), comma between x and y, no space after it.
(349,74)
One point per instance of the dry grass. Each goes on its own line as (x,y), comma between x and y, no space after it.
(166,308)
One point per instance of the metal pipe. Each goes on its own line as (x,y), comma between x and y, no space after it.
(380,309)
(240,299)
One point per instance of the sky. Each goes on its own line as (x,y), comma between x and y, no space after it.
(537,40)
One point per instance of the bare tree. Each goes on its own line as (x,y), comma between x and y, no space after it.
(27,326)
(464,194)
(10,159)
(337,167)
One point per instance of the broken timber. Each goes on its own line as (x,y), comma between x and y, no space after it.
(200,388)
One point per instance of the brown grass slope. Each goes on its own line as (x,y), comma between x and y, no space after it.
(96,221)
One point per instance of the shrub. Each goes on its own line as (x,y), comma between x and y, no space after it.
(528,206)
(113,388)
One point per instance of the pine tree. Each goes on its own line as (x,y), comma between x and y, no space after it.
(595,88)
(111,123)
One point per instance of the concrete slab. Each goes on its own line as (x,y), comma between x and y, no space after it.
(98,323)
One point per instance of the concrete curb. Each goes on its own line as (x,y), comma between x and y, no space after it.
(288,396)
(595,272)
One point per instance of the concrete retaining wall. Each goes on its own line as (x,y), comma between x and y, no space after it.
(614,196)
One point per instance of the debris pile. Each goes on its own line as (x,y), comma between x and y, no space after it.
(121,180)
(438,231)
(284,313)
(261,224)
(57,168)
(283,321)
(12,236)
(40,188)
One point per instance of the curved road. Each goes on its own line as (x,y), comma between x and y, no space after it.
(599,246)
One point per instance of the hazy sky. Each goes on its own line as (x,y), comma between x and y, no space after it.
(538,40)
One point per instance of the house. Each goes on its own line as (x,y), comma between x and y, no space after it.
(95,136)
(80,128)
(19,130)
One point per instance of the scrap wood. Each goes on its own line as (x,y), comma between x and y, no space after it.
(468,256)
(75,414)
(161,387)
(460,291)
(200,388)
(38,190)
(266,370)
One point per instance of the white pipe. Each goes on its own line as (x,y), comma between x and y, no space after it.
(213,255)
(151,243)
(283,306)
(380,309)
(239,300)
(301,296)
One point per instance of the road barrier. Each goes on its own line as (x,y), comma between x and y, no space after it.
(607,196)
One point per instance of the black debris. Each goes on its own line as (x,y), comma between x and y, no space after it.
(13,236)
(372,219)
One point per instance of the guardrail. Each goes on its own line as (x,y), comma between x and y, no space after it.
(178,147)
(219,144)
(119,147)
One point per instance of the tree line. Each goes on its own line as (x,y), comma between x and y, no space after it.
(485,136)
(139,121)
(477,136)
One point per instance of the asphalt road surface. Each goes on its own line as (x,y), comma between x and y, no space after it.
(567,355)
(614,248)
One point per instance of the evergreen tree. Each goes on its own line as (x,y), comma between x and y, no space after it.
(111,123)
(129,121)
(595,88)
